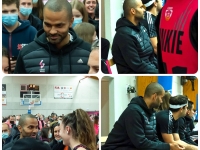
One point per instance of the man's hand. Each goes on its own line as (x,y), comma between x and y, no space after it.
(176,146)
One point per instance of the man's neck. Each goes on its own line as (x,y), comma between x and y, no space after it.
(22,17)
(92,15)
(133,20)
(12,28)
(175,115)
(153,11)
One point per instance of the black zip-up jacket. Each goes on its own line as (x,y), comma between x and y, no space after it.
(132,50)
(9,145)
(185,131)
(135,129)
(41,57)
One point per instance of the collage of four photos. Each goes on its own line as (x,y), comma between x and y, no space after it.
(129,75)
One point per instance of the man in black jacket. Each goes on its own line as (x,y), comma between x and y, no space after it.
(136,127)
(56,49)
(185,124)
(132,50)
(28,127)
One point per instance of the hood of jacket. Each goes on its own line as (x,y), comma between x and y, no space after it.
(123,22)
(24,24)
(140,101)
(41,39)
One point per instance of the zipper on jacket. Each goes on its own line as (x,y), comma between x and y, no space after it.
(10,45)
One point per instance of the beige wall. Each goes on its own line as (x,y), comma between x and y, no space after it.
(104,107)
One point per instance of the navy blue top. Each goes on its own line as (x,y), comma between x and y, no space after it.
(17,39)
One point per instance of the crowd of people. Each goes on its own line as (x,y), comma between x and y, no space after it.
(74,131)
(155,121)
(51,38)
(152,37)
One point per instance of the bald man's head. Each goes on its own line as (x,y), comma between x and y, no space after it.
(153,88)
(59,5)
(128,4)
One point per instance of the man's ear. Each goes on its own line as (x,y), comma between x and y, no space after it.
(132,11)
(71,22)
(19,128)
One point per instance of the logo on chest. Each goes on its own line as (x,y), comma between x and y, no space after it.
(168,13)
(42,69)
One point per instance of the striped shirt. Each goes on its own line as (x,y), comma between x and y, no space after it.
(151,24)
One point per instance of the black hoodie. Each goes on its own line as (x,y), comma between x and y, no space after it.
(134,129)
(132,50)
(8,146)
(40,56)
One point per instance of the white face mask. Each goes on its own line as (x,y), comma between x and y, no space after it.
(16,122)
(59,121)
(50,135)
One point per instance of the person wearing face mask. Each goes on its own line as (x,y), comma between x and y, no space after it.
(60,118)
(46,134)
(15,33)
(6,137)
(27,126)
(79,12)
(25,7)
(56,143)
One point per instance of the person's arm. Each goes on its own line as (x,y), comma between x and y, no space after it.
(130,54)
(135,131)
(176,136)
(154,42)
(168,138)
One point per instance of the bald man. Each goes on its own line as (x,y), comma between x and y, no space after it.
(56,49)
(132,50)
(136,127)
(28,127)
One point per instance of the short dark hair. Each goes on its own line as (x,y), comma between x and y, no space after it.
(177,100)
(153,88)
(9,2)
(58,6)
(190,103)
(127,5)
(23,118)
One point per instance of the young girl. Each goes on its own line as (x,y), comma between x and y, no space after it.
(77,131)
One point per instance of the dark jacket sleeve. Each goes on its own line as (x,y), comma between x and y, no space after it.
(19,68)
(159,51)
(134,126)
(194,31)
(32,33)
(129,52)
(181,129)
